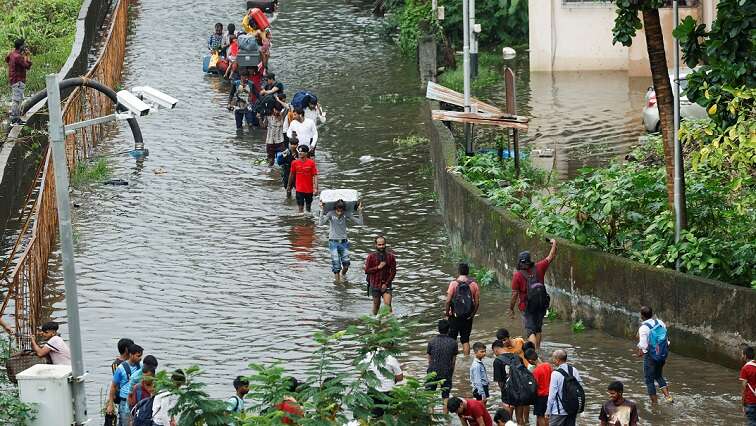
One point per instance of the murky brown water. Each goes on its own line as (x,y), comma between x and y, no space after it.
(208,263)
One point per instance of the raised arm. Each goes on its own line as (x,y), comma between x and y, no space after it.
(552,252)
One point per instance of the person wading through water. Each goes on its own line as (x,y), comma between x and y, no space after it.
(380,270)
(529,293)
(462,302)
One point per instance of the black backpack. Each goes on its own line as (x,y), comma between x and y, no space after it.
(264,105)
(538,300)
(462,302)
(573,395)
(141,414)
(521,388)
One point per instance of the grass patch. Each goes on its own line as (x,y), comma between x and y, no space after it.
(410,141)
(578,326)
(488,73)
(89,172)
(48,26)
(484,276)
(551,315)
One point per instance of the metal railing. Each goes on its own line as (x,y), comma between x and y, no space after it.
(26,287)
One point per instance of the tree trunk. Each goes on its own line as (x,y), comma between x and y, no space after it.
(663,88)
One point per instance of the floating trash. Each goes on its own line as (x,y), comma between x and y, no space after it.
(367,158)
(116,182)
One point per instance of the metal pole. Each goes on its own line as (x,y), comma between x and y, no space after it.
(511,99)
(473,43)
(678,180)
(58,146)
(466,69)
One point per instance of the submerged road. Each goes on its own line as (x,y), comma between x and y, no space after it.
(207,263)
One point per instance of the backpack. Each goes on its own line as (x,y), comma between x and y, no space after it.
(238,402)
(302,99)
(658,346)
(462,302)
(573,394)
(520,386)
(127,369)
(141,414)
(537,299)
(264,105)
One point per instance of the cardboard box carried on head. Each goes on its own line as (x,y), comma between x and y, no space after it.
(329,197)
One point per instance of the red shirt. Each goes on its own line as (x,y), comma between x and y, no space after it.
(17,66)
(748,375)
(304,172)
(291,408)
(377,277)
(542,374)
(475,409)
(520,284)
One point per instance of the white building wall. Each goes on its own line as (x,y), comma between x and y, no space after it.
(567,37)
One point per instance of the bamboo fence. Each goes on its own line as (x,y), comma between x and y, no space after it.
(26,287)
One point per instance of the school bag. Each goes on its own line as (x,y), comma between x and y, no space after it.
(141,414)
(573,394)
(302,99)
(127,369)
(520,386)
(658,346)
(264,105)
(462,302)
(537,300)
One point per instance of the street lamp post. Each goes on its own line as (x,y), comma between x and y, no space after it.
(466,71)
(679,179)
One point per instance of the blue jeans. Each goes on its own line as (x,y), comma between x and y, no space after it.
(339,254)
(652,371)
(124,413)
(750,412)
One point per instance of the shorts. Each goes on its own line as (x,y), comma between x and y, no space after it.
(480,397)
(304,198)
(539,408)
(532,322)
(460,326)
(446,386)
(378,292)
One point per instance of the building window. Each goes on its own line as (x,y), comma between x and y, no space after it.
(586,3)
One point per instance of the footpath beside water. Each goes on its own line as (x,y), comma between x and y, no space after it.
(202,260)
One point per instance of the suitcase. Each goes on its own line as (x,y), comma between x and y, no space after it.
(268,6)
(247,58)
(258,16)
(329,197)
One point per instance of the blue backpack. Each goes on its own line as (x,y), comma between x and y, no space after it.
(658,346)
(141,414)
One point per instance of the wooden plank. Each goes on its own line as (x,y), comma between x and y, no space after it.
(477,118)
(440,93)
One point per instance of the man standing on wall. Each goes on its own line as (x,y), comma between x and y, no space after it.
(529,293)
(19,61)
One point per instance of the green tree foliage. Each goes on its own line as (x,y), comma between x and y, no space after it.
(726,55)
(328,393)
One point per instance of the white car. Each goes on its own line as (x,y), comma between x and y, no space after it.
(688,109)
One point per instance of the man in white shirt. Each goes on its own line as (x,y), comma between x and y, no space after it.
(652,370)
(306,130)
(555,410)
(165,402)
(314,112)
(55,347)
(385,383)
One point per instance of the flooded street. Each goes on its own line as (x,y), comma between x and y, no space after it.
(208,263)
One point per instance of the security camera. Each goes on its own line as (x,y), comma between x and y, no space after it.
(155,96)
(134,104)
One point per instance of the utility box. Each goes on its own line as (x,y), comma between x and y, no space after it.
(48,388)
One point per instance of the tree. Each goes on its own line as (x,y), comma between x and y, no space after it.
(626,24)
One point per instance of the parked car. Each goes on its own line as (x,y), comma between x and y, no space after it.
(688,109)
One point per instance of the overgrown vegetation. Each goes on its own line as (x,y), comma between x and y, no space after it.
(578,327)
(410,141)
(48,26)
(489,73)
(89,172)
(327,394)
(12,410)
(622,209)
(502,22)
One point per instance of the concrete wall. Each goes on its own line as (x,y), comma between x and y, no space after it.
(707,319)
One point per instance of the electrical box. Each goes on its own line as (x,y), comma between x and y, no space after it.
(48,387)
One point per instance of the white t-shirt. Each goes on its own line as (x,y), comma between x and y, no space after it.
(314,115)
(59,352)
(161,406)
(392,365)
(306,131)
(644,331)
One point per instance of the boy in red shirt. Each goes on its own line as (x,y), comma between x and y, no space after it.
(471,412)
(304,172)
(542,375)
(748,380)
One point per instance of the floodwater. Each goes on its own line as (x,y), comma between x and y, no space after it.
(202,260)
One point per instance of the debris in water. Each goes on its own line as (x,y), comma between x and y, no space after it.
(367,158)
(160,171)
(116,182)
